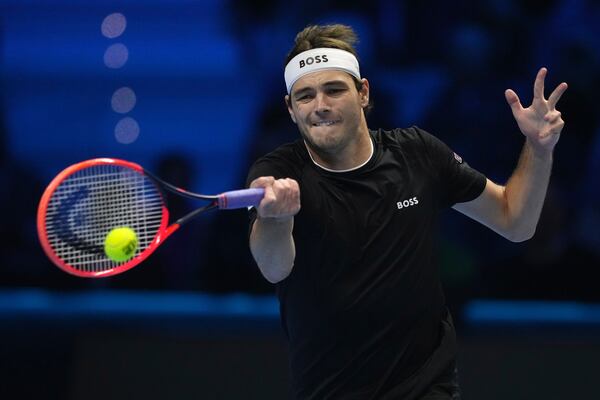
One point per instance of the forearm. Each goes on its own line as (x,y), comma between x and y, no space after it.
(514,210)
(273,248)
(525,192)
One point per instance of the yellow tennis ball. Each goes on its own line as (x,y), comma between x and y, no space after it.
(120,244)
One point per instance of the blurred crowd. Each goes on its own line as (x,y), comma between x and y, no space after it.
(443,66)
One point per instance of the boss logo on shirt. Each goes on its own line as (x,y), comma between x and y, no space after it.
(313,60)
(407,203)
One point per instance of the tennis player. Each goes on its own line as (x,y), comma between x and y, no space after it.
(346,228)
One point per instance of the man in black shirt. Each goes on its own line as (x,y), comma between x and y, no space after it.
(346,228)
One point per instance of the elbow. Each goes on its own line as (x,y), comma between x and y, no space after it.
(519,236)
(273,268)
(517,230)
(275,276)
(273,280)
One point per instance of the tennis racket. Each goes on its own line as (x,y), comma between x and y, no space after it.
(87,200)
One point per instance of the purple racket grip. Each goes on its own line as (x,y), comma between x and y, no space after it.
(240,198)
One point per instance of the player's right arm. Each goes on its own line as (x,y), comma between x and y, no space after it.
(271,239)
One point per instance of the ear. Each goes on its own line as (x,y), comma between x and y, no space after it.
(289,107)
(364,93)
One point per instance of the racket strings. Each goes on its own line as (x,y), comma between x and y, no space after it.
(87,205)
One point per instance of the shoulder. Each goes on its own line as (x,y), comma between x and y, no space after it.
(286,155)
(284,150)
(412,138)
(283,162)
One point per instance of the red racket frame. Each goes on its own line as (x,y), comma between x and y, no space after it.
(163,233)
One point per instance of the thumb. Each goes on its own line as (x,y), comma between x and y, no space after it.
(262,182)
(513,100)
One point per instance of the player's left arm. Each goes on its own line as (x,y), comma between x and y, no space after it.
(513,210)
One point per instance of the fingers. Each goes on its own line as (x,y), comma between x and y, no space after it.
(538,89)
(558,127)
(555,123)
(554,129)
(287,193)
(513,100)
(538,85)
(262,182)
(552,116)
(538,92)
(281,199)
(556,94)
(265,182)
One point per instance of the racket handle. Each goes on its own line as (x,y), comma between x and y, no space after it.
(240,198)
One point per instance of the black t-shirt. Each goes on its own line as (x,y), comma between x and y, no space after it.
(363,308)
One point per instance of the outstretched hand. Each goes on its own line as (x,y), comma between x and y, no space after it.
(541,122)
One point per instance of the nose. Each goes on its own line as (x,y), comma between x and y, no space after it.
(321,104)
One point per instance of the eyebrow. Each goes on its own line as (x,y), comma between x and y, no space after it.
(336,82)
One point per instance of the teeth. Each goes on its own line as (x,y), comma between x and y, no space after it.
(324,123)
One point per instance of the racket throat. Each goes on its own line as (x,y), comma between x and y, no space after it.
(195,213)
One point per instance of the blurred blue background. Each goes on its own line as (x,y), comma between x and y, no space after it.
(193,91)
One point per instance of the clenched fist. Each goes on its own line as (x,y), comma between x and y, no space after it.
(282,197)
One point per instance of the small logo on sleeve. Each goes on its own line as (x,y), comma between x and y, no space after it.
(458,158)
(413,201)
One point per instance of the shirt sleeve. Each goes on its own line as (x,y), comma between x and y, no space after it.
(457,181)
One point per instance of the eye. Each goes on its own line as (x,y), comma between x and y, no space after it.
(334,91)
(304,97)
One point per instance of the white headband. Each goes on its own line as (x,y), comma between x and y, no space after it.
(318,59)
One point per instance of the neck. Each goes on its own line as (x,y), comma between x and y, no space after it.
(352,156)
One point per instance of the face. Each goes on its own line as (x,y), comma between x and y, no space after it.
(328,109)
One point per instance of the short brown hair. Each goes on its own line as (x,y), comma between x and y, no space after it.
(336,36)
